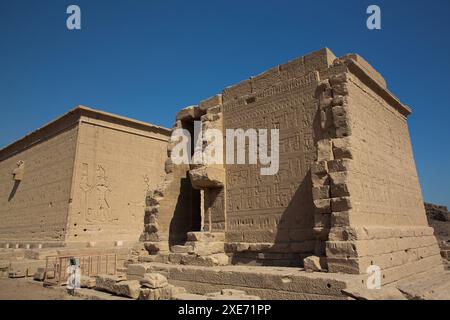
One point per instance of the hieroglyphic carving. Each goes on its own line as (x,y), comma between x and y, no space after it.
(101,212)
(102,188)
(259,202)
(85,188)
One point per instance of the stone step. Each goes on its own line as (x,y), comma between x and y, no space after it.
(265,282)
(206,248)
(206,236)
(427,287)
(218,259)
(181,249)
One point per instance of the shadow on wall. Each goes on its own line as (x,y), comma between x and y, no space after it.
(295,238)
(14,190)
(187,216)
(294,231)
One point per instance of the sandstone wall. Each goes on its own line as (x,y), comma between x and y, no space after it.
(117,163)
(347,188)
(275,211)
(375,206)
(35,209)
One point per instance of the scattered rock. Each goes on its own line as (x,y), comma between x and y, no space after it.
(107,282)
(312,264)
(87,282)
(129,288)
(154,281)
(39,275)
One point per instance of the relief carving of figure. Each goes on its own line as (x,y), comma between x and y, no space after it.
(101,211)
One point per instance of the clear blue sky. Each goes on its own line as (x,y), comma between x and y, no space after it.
(148,59)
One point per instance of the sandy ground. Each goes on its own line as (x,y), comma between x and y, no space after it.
(27,289)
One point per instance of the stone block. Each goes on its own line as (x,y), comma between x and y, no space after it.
(129,288)
(324,150)
(321,233)
(155,247)
(155,294)
(340,89)
(319,168)
(236,247)
(339,184)
(39,275)
(342,149)
(206,236)
(152,227)
(206,248)
(340,165)
(189,113)
(339,100)
(211,102)
(312,264)
(322,220)
(87,282)
(340,218)
(153,281)
(233,92)
(322,192)
(107,282)
(341,204)
(152,210)
(322,206)
(138,269)
(181,249)
(207,177)
(368,69)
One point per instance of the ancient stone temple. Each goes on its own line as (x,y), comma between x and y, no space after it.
(346,194)
(337,212)
(79,181)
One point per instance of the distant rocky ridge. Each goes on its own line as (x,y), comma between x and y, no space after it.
(439,218)
(437,212)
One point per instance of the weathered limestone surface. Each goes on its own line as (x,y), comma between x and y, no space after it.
(153,281)
(346,191)
(264,282)
(346,196)
(173,208)
(376,208)
(83,179)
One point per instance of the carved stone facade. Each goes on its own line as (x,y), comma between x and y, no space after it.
(81,180)
(346,191)
(346,195)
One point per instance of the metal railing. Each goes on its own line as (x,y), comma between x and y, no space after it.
(90,265)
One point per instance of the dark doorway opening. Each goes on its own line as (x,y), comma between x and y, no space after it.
(195,205)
